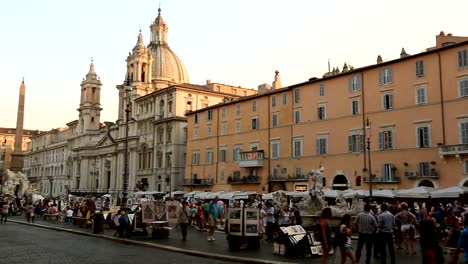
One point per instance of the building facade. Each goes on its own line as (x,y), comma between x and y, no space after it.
(89,157)
(403,121)
(7,144)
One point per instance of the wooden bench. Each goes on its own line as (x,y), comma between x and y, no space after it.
(51,216)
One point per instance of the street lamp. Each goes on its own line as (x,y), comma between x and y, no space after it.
(170,175)
(3,166)
(368,126)
(128,90)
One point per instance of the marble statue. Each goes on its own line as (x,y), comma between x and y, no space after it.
(17,184)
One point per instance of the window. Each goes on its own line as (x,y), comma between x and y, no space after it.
(420,68)
(285,98)
(464,132)
(463,58)
(236,152)
(195,158)
(273,101)
(385,76)
(421,95)
(255,124)
(275,120)
(254,106)
(209,115)
(387,101)
(387,172)
(196,119)
(321,148)
(195,133)
(386,140)
(238,109)
(322,90)
(297,95)
(355,106)
(424,169)
(275,149)
(297,116)
(356,143)
(223,128)
(223,155)
(237,126)
(321,112)
(209,157)
(210,130)
(169,134)
(297,147)
(463,84)
(354,83)
(298,171)
(466,166)
(423,137)
(223,113)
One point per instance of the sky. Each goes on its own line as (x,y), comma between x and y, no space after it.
(50,43)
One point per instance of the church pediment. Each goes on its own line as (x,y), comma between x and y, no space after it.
(106,140)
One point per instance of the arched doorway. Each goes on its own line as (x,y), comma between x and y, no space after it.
(340,182)
(427,183)
(465,184)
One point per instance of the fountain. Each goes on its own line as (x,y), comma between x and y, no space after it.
(17,184)
(312,205)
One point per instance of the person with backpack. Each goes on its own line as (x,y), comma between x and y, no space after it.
(343,240)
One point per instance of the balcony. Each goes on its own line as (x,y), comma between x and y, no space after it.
(244,180)
(251,159)
(198,182)
(457,150)
(394,179)
(290,178)
(433,174)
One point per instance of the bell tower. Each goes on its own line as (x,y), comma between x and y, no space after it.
(90,103)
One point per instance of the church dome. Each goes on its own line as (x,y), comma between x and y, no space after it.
(167,67)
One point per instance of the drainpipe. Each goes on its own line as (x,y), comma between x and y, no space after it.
(442,108)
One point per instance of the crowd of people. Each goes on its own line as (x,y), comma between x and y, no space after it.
(382,228)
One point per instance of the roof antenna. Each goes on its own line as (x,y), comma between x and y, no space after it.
(92,60)
(328,65)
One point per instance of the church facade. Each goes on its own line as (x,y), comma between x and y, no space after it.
(89,156)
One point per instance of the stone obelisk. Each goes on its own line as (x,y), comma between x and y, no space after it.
(17,157)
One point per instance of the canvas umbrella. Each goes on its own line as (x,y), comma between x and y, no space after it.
(384,193)
(451,192)
(417,192)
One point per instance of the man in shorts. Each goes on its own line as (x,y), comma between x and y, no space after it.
(214,215)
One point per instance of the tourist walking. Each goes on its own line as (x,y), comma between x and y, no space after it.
(124,224)
(346,248)
(184,219)
(325,233)
(4,210)
(386,223)
(29,212)
(366,226)
(407,221)
(214,216)
(261,220)
(270,221)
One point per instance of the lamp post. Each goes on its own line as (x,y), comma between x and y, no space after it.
(170,175)
(368,126)
(128,90)
(3,166)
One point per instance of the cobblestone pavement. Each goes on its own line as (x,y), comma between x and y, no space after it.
(32,245)
(197,242)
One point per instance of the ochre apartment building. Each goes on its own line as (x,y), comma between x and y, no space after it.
(412,110)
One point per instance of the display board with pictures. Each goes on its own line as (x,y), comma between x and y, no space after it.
(294,233)
(172,211)
(148,212)
(251,221)
(235,221)
(315,246)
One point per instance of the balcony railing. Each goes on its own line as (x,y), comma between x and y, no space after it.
(394,179)
(287,178)
(453,149)
(198,182)
(414,174)
(244,180)
(250,159)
